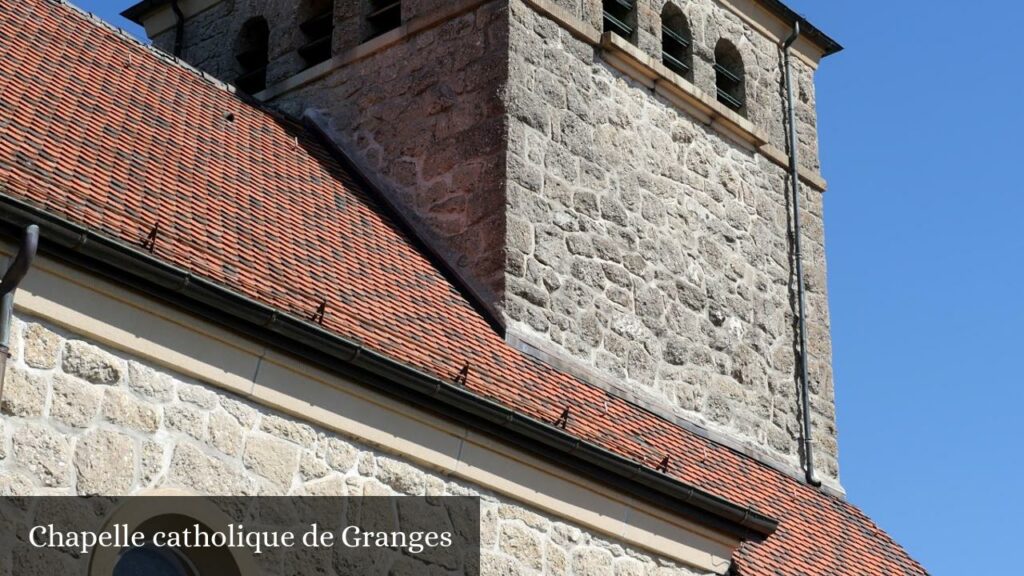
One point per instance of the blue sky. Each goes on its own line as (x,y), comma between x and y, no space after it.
(920,132)
(920,129)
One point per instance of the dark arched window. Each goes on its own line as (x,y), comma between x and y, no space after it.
(676,51)
(384,16)
(150,560)
(252,53)
(620,18)
(729,76)
(316,19)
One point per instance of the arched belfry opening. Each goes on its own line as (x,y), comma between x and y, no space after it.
(252,51)
(676,41)
(730,76)
(383,16)
(620,18)
(316,20)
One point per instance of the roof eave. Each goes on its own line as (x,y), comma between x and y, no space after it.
(137,11)
(141,271)
(828,45)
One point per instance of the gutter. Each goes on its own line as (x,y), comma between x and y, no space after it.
(131,267)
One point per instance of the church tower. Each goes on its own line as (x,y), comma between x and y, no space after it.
(610,180)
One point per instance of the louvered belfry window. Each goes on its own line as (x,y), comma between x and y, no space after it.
(317,25)
(676,49)
(252,54)
(729,79)
(620,18)
(384,16)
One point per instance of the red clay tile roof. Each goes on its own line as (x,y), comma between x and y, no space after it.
(102,131)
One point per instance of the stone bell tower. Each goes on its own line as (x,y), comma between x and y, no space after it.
(608,178)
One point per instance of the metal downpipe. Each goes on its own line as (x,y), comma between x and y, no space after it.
(794,174)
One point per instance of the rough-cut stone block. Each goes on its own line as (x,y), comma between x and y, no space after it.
(44,453)
(556,560)
(496,563)
(290,430)
(90,363)
(13,483)
(41,346)
(311,467)
(187,420)
(273,458)
(119,407)
(523,543)
(105,463)
(246,415)
(224,433)
(338,453)
(435,486)
(331,486)
(74,402)
(631,567)
(592,562)
(366,464)
(24,393)
(565,535)
(150,383)
(151,463)
(401,477)
(531,519)
(193,469)
(17,339)
(197,395)
(488,526)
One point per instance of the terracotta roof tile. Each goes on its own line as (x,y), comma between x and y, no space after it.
(100,130)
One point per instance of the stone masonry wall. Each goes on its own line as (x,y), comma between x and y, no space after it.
(596,217)
(204,47)
(650,248)
(208,41)
(424,117)
(709,21)
(80,419)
